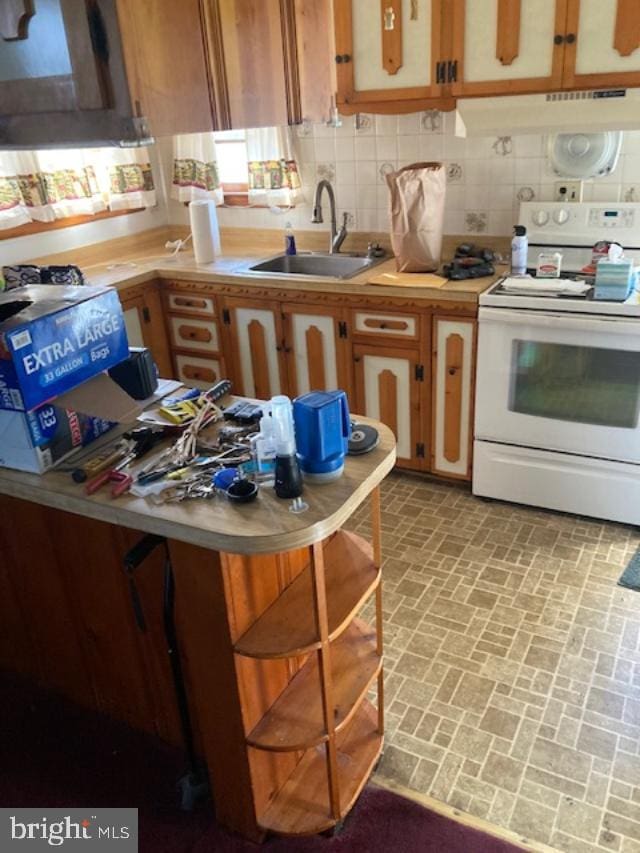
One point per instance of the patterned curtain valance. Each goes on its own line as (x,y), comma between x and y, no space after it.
(46,185)
(195,168)
(273,175)
(273,172)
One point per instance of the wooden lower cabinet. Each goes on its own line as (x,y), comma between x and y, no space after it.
(145,323)
(316,349)
(453,369)
(388,384)
(411,368)
(254,342)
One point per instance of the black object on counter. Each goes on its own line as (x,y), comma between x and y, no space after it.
(242,491)
(470,262)
(288,483)
(137,375)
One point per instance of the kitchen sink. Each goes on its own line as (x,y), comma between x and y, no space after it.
(317,264)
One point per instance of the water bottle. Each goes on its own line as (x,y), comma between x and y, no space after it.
(519,248)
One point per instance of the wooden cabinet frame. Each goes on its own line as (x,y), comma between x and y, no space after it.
(407,99)
(526,85)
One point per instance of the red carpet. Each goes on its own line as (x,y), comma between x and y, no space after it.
(55,754)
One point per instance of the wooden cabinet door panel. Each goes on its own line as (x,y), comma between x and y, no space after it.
(602,44)
(133,320)
(317,359)
(387,389)
(256,348)
(198,372)
(363,68)
(507,46)
(189,333)
(453,384)
(145,324)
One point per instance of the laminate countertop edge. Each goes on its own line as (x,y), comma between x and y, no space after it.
(138,514)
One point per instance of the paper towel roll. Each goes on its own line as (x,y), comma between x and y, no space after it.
(205,231)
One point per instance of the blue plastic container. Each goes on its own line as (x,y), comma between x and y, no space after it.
(323,428)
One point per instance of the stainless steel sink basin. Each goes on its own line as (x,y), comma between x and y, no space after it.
(317,265)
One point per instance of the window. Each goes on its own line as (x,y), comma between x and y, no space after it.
(231,150)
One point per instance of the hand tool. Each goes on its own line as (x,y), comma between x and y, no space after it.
(114,475)
(107,458)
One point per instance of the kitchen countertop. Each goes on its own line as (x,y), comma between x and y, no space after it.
(264,526)
(128,261)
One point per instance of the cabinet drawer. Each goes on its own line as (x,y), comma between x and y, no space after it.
(188,303)
(198,372)
(387,325)
(189,333)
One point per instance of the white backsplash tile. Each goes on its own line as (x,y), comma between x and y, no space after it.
(486,177)
(365,148)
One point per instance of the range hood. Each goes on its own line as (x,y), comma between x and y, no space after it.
(555,112)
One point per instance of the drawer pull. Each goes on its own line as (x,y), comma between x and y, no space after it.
(394,325)
(189,303)
(206,374)
(194,333)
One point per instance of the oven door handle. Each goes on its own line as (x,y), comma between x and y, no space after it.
(550,320)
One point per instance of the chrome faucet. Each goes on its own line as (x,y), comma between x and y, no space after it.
(337,237)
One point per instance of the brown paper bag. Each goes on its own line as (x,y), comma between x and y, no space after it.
(417,213)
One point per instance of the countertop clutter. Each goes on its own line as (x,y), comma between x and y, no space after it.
(128,261)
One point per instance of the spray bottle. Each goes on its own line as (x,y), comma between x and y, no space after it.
(288,480)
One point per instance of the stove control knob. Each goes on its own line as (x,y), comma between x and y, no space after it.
(540,217)
(561,216)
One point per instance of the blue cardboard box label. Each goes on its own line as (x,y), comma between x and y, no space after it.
(61,350)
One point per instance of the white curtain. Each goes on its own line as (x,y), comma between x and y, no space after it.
(273,171)
(46,185)
(195,169)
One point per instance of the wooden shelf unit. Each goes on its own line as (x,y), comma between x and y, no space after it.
(296,721)
(321,724)
(302,806)
(351,575)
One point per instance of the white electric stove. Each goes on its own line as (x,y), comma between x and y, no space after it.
(558,378)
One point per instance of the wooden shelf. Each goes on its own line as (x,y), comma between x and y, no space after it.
(288,628)
(301,807)
(295,721)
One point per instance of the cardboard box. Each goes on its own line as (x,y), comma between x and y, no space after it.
(36,441)
(54,338)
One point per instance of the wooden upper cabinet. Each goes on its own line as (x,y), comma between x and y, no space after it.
(166,65)
(387,54)
(602,44)
(505,47)
(268,62)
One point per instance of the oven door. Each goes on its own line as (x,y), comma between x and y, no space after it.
(567,382)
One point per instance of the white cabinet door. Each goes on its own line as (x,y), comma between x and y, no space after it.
(602,44)
(366,71)
(503,48)
(256,348)
(312,347)
(452,376)
(387,389)
(133,324)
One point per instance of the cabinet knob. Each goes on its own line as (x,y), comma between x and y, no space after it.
(343,57)
(356,358)
(558,38)
(452,371)
(571,37)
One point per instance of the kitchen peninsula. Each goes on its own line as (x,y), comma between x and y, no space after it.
(276,661)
